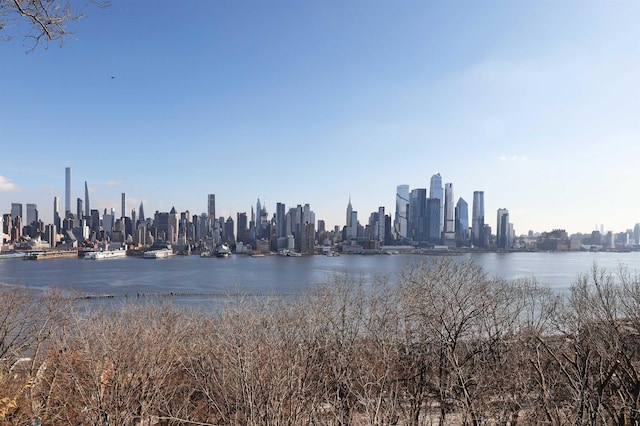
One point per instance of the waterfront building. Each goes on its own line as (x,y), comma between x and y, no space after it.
(435,191)
(449,234)
(462,222)
(67,191)
(402,210)
(477,219)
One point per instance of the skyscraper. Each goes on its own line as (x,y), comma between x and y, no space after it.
(281,221)
(141,212)
(32,214)
(502,229)
(449,220)
(462,222)
(435,191)
(16,211)
(67,191)
(434,235)
(56,212)
(402,206)
(211,208)
(352,221)
(79,210)
(87,208)
(418,214)
(123,207)
(477,219)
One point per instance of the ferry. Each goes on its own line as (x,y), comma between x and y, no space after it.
(158,254)
(107,254)
(50,254)
(12,255)
(223,251)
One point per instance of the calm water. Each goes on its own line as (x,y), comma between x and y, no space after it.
(277,274)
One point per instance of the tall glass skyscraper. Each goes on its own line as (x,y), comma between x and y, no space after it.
(477,219)
(67,191)
(462,222)
(436,191)
(449,223)
(402,209)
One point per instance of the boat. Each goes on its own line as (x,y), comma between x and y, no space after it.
(107,254)
(223,251)
(50,254)
(158,254)
(257,253)
(293,254)
(12,255)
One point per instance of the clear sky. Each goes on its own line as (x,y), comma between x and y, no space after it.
(536,103)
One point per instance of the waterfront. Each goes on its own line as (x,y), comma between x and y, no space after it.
(199,278)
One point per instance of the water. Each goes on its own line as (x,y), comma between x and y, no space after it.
(203,277)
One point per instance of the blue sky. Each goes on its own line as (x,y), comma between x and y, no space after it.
(536,103)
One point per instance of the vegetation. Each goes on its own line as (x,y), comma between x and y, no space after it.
(40,21)
(445,345)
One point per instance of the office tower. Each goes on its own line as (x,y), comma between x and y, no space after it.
(242,227)
(56,212)
(352,221)
(477,219)
(67,191)
(16,211)
(229,236)
(87,208)
(502,229)
(32,213)
(123,206)
(449,213)
(281,221)
(380,226)
(141,212)
(435,191)
(79,210)
(7,223)
(307,238)
(174,219)
(402,206)
(434,235)
(418,214)
(308,215)
(211,207)
(462,222)
(95,222)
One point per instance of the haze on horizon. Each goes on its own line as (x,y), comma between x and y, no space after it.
(534,103)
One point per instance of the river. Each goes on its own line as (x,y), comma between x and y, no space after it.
(195,278)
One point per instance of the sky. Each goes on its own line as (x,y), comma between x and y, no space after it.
(536,103)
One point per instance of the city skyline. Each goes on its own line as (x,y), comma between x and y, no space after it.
(535,104)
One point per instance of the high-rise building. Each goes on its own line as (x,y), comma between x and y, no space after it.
(281,221)
(435,191)
(307,237)
(449,234)
(434,236)
(211,207)
(123,206)
(462,222)
(352,221)
(418,214)
(67,191)
(402,210)
(502,229)
(477,219)
(32,214)
(243,228)
(141,217)
(87,208)
(16,211)
(79,211)
(56,212)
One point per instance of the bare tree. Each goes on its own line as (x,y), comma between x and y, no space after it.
(41,21)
